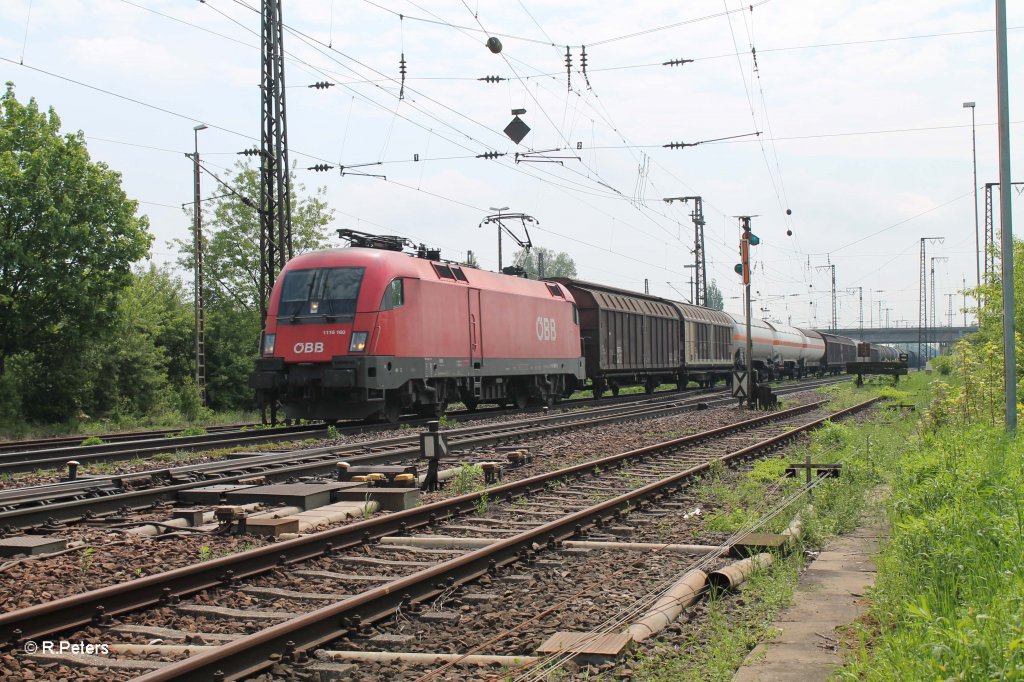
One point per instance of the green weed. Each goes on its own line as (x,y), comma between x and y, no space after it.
(468,479)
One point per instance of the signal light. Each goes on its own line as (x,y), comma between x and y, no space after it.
(753,239)
(738,268)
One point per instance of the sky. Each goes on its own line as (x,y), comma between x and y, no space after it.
(864,144)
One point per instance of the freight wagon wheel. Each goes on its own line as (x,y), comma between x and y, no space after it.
(649,386)
(615,389)
(471,404)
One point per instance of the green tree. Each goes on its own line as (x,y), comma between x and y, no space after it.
(138,365)
(471,260)
(715,299)
(231,259)
(68,234)
(556,263)
(231,244)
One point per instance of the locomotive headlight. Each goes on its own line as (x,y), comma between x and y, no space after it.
(268,344)
(358,343)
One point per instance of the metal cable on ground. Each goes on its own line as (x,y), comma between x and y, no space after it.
(611,625)
(617,620)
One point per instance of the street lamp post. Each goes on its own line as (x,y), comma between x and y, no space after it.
(974,157)
(197,219)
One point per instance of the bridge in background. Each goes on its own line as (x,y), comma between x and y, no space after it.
(908,335)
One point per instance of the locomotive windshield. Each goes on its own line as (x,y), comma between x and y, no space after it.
(319,295)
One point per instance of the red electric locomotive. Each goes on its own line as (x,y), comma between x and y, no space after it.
(366,330)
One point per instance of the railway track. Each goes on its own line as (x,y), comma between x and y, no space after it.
(90,498)
(408,562)
(54,453)
(113,437)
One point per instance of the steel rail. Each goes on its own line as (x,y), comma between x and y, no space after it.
(46,453)
(21,461)
(93,482)
(24,456)
(76,440)
(47,507)
(250,654)
(81,609)
(30,460)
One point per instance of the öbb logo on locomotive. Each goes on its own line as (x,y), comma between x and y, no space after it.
(309,347)
(545,329)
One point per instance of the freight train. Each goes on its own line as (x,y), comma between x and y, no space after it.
(370,331)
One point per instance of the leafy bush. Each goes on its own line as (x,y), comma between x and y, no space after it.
(93,440)
(943,364)
(469,478)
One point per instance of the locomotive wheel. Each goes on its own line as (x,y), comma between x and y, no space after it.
(432,409)
(522,399)
(391,414)
(392,410)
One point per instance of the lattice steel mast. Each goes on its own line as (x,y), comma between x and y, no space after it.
(700,296)
(932,326)
(922,301)
(832,267)
(275,186)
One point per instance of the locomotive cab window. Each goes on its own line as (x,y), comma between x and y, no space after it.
(319,295)
(394,295)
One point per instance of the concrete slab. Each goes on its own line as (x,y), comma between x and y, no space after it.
(389,499)
(587,646)
(806,647)
(31,544)
(210,494)
(271,527)
(844,583)
(302,495)
(780,672)
(221,612)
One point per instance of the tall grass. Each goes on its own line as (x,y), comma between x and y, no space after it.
(949,601)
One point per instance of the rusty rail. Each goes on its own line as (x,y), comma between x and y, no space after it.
(250,654)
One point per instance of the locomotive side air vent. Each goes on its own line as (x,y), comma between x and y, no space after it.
(443,271)
(458,273)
